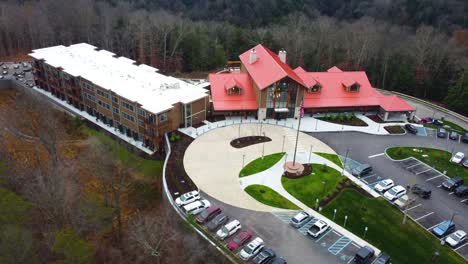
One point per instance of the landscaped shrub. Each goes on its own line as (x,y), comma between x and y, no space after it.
(174,137)
(333,117)
(340,117)
(324,168)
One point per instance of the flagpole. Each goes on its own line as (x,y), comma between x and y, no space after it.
(297,133)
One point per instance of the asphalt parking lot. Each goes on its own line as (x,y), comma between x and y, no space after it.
(18,71)
(370,149)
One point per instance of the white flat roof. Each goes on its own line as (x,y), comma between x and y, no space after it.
(139,83)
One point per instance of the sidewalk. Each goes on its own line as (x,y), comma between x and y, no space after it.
(308,124)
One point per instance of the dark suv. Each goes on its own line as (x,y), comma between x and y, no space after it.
(461,191)
(412,129)
(362,170)
(464,137)
(452,183)
(422,191)
(364,255)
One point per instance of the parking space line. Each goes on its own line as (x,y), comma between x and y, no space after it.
(356,245)
(419,218)
(461,246)
(336,233)
(416,206)
(376,155)
(451,193)
(430,179)
(417,173)
(464,200)
(438,186)
(413,165)
(324,235)
(434,225)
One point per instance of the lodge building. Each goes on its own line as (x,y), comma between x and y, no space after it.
(134,99)
(265,86)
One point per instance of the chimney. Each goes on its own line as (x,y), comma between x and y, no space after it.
(282,55)
(253,56)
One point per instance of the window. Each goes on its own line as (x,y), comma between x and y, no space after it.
(101,93)
(315,88)
(163,117)
(235,90)
(128,117)
(90,97)
(354,88)
(115,99)
(101,103)
(127,105)
(115,110)
(141,112)
(141,123)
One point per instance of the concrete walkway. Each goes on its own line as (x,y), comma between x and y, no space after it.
(308,124)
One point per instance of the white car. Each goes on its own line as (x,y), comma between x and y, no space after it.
(395,193)
(458,157)
(318,228)
(384,185)
(404,201)
(251,249)
(300,219)
(187,198)
(196,207)
(457,238)
(229,229)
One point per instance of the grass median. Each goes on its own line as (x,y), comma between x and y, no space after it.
(314,186)
(436,158)
(261,164)
(405,243)
(331,157)
(269,197)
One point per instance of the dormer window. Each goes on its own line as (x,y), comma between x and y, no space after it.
(234,90)
(316,88)
(233,87)
(352,87)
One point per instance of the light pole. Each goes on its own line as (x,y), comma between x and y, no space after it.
(297,135)
(345,220)
(435,256)
(316,123)
(310,153)
(285,158)
(282,148)
(334,214)
(239,128)
(243,160)
(316,203)
(345,160)
(263,146)
(365,232)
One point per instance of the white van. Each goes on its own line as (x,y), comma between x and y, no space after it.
(228,229)
(196,207)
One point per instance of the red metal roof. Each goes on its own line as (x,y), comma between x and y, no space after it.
(222,101)
(333,94)
(267,68)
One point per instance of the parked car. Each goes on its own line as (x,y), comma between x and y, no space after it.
(461,191)
(264,256)
(4,72)
(364,255)
(444,228)
(437,122)
(412,129)
(5,67)
(457,238)
(452,183)
(218,221)
(458,157)
(25,64)
(300,219)
(187,198)
(16,66)
(384,185)
(251,249)
(421,191)
(228,229)
(404,202)
(279,261)
(425,120)
(395,192)
(208,214)
(362,170)
(318,228)
(1,77)
(382,259)
(453,135)
(239,240)
(464,137)
(196,207)
(441,133)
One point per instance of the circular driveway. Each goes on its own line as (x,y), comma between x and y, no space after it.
(214,165)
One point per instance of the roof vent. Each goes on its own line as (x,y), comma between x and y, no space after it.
(282,55)
(253,56)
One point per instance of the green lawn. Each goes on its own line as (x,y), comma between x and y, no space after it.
(149,169)
(269,197)
(352,121)
(439,159)
(314,186)
(405,243)
(331,157)
(260,164)
(450,124)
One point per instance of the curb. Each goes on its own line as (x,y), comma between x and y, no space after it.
(174,206)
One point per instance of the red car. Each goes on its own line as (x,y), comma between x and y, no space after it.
(240,239)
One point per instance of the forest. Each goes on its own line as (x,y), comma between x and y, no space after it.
(417,47)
